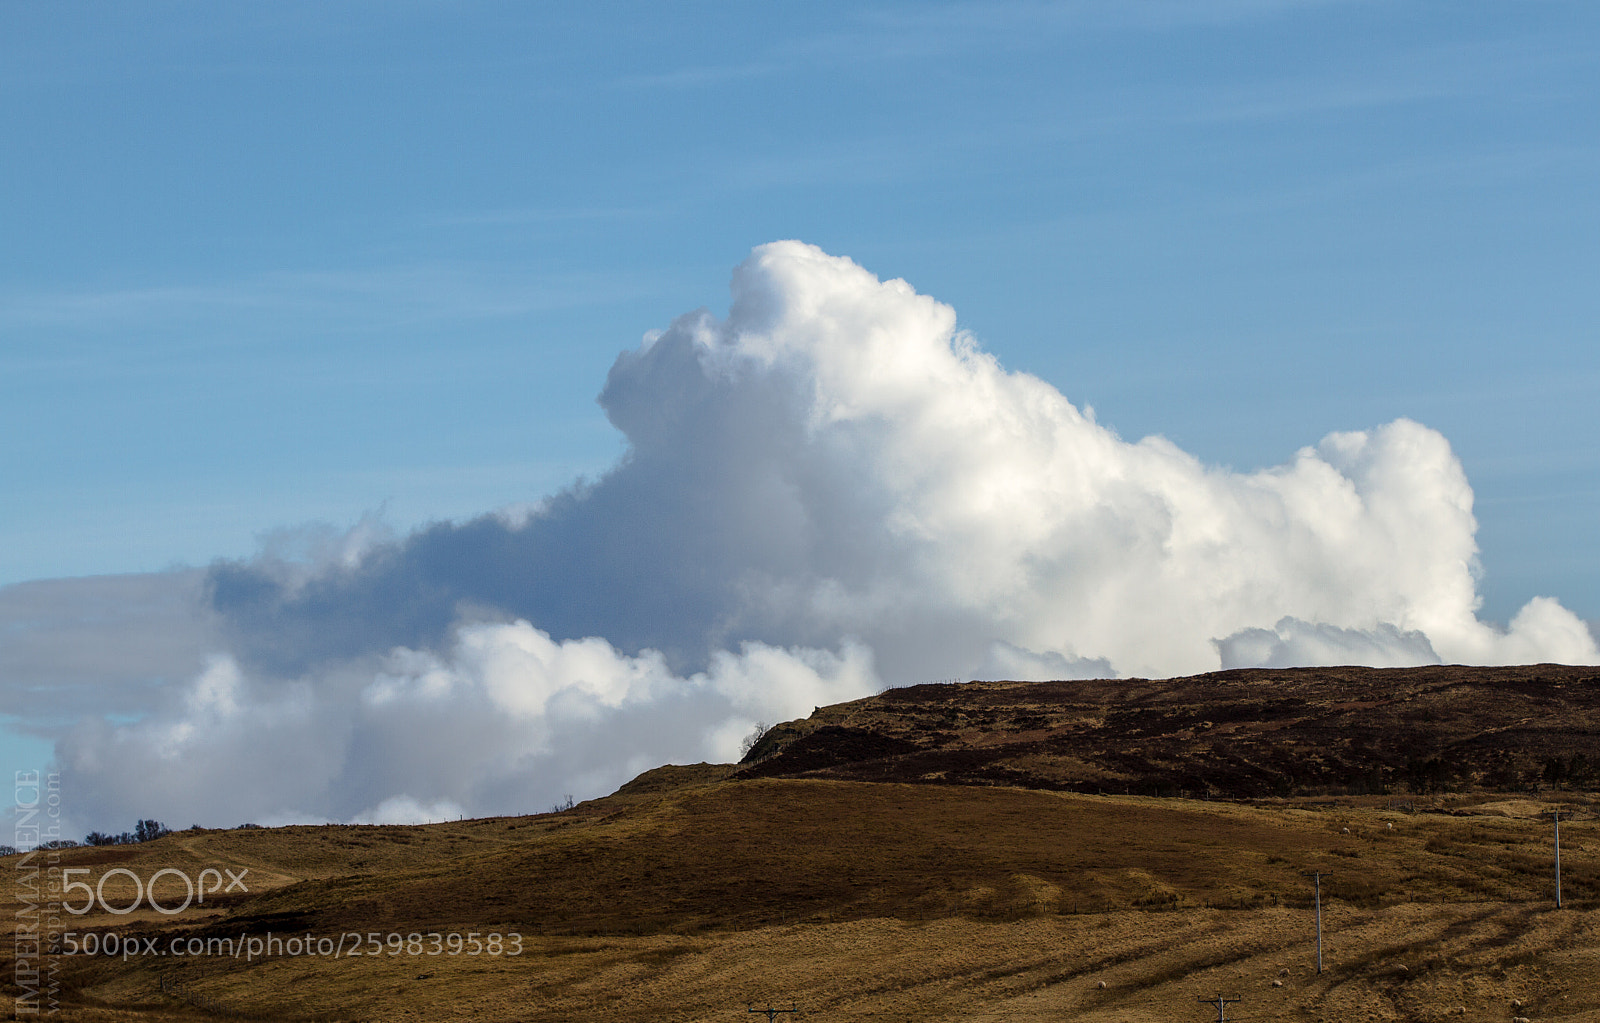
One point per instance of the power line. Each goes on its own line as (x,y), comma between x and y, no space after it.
(771,1013)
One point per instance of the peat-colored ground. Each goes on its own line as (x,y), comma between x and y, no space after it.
(1245,733)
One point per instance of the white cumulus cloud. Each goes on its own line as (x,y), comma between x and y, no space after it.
(504,720)
(831,488)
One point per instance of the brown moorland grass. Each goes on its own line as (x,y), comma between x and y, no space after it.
(842,870)
(685,897)
(1241,733)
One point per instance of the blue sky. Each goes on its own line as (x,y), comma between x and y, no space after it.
(266,265)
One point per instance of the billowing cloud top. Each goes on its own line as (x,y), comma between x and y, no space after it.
(831,489)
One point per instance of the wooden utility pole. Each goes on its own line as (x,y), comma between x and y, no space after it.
(772,1014)
(1317,876)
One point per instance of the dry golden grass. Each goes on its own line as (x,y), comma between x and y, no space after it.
(685,898)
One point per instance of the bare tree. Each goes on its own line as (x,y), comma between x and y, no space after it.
(752,739)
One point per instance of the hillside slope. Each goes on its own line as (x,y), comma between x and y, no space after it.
(1245,733)
(696,891)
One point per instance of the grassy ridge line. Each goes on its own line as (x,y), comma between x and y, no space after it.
(755,854)
(1243,733)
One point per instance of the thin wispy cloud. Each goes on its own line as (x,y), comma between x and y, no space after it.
(703,76)
(1021,21)
(525,216)
(385,295)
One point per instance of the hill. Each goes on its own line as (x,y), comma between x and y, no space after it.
(697,891)
(1246,733)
